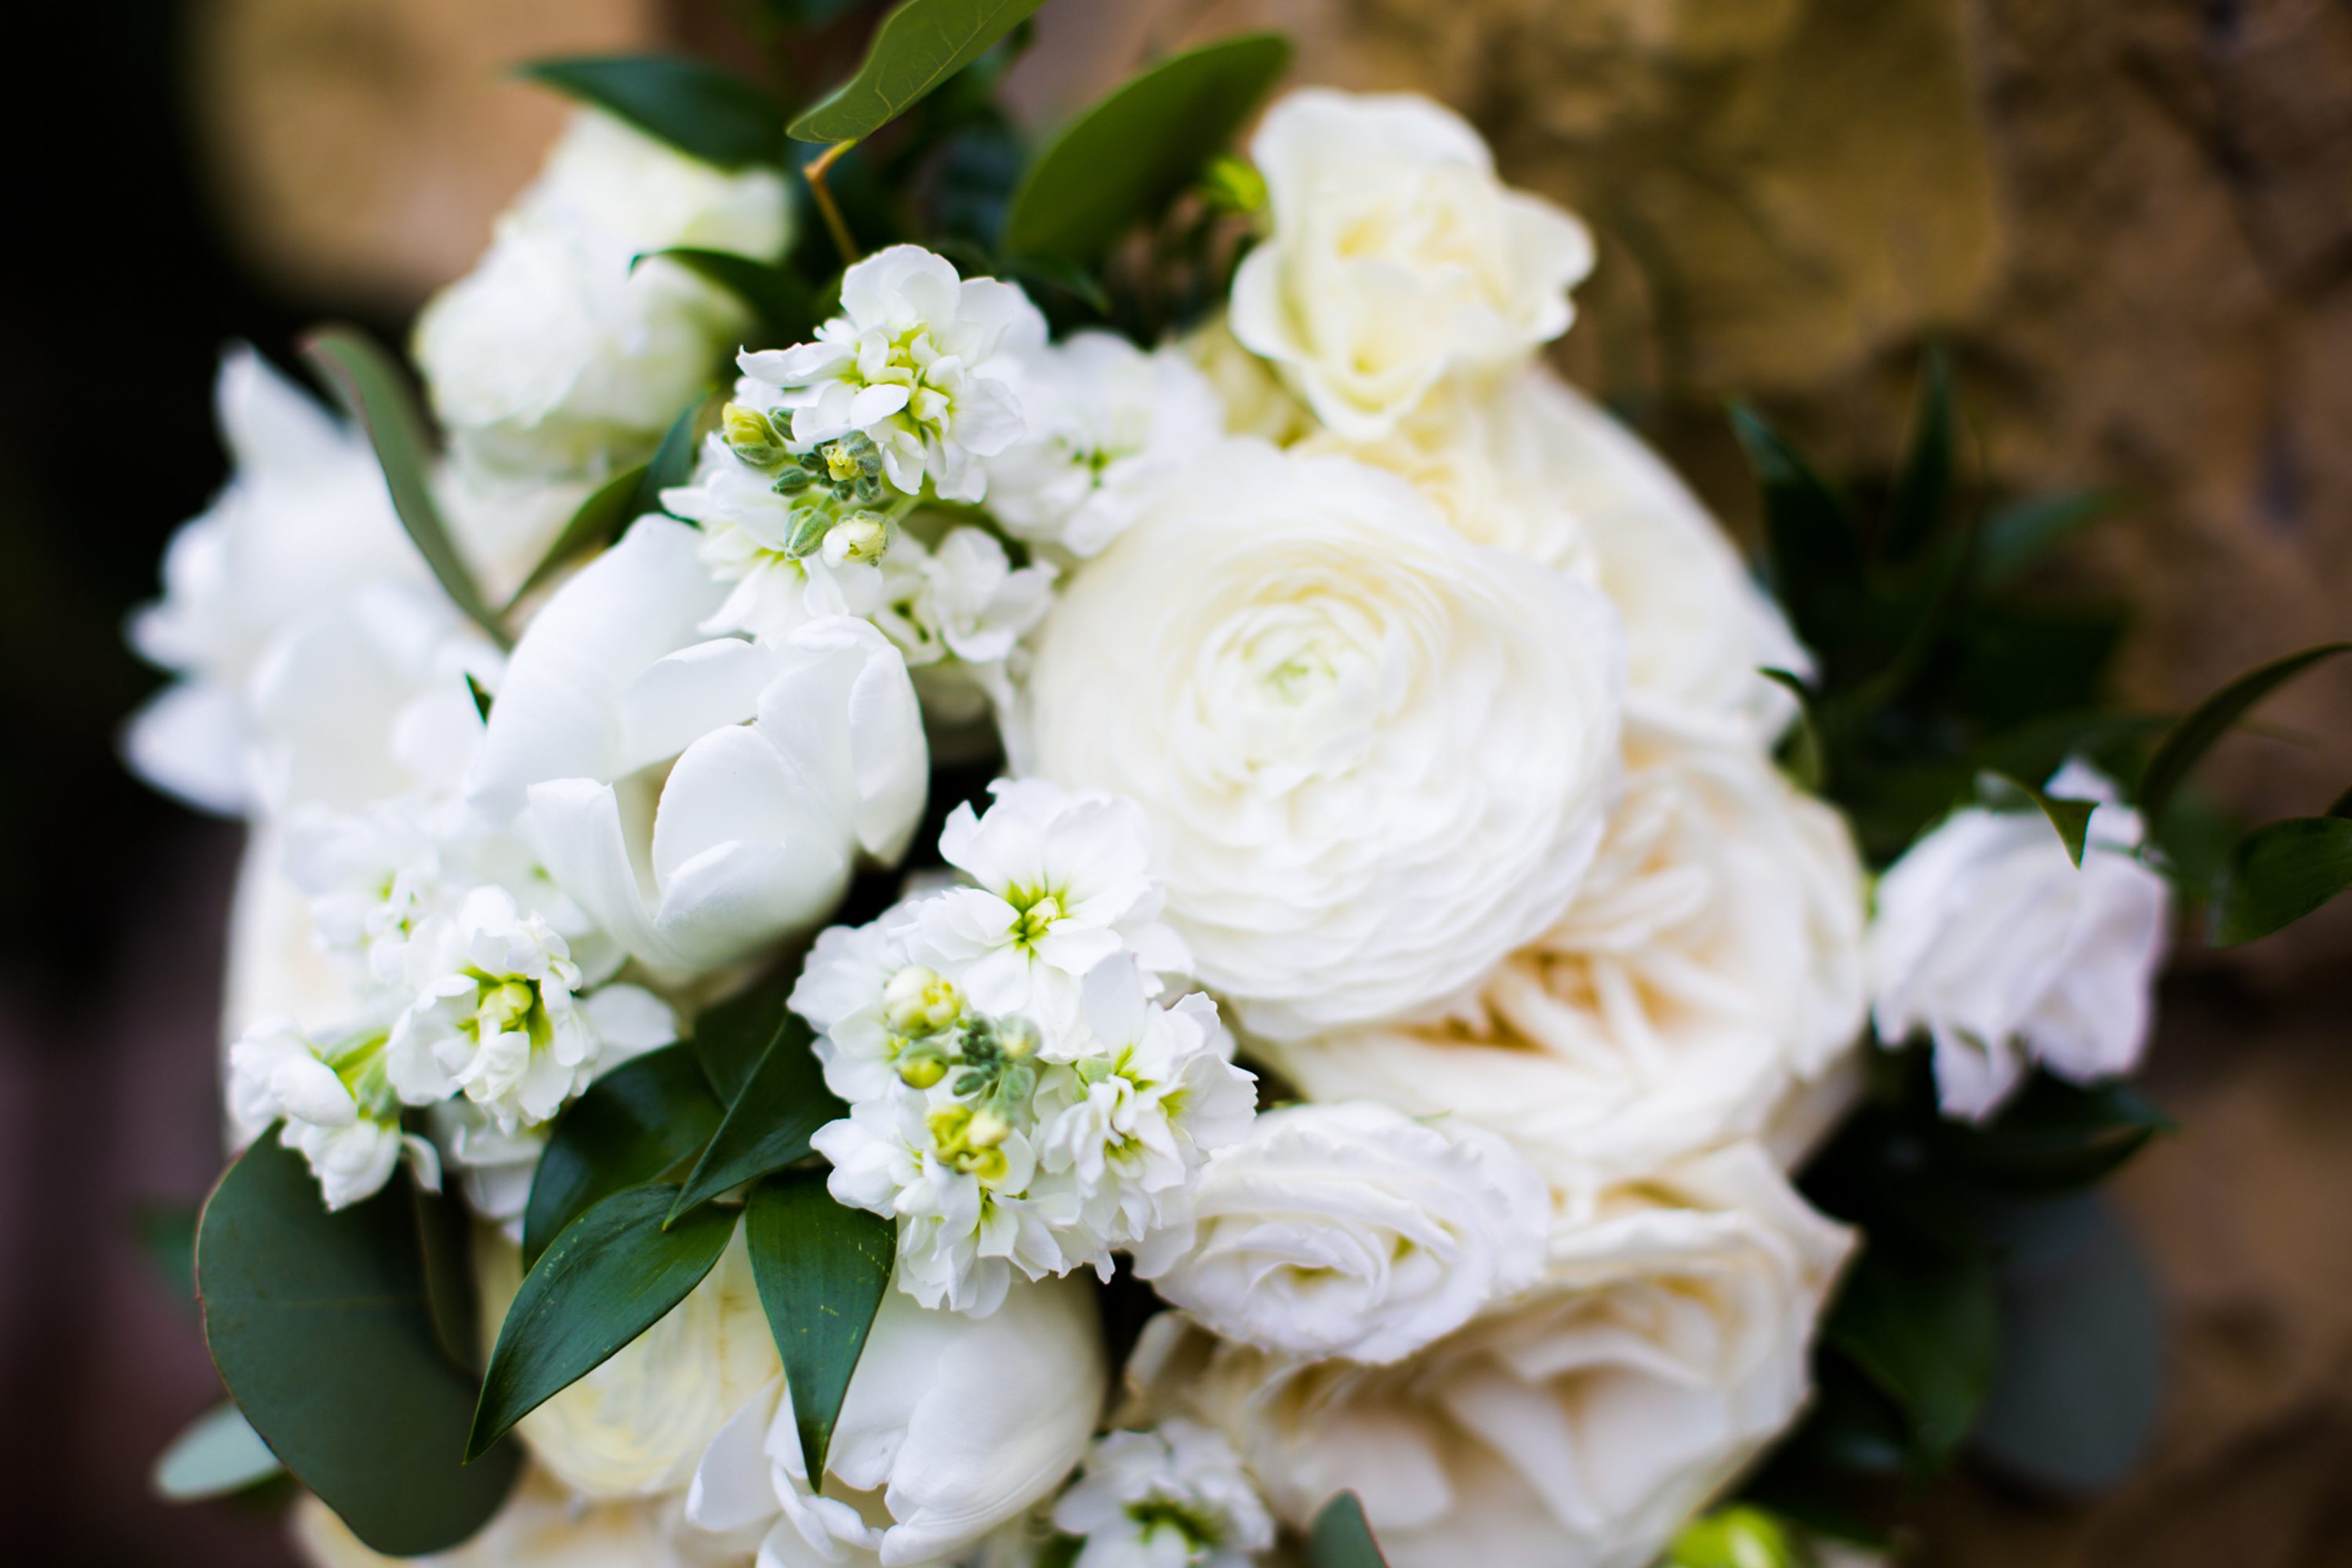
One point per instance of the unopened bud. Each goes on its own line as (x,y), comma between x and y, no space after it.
(1736,1537)
(987,1130)
(1233,186)
(919,1000)
(856,539)
(921,1071)
(810,525)
(1017,1038)
(841,464)
(750,434)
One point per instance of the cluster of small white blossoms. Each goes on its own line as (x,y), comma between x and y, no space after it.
(1175,1495)
(1020,1098)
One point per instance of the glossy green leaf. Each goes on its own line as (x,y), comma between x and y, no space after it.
(2190,739)
(1341,1539)
(698,109)
(373,390)
(2017,536)
(1123,160)
(919,44)
(444,1251)
(1739,1536)
(612,1274)
(1922,488)
(672,463)
(1815,551)
(785,304)
(481,698)
(768,1127)
(2071,818)
(631,1126)
(822,1270)
(600,519)
(1801,751)
(2054,1136)
(731,1038)
(2279,873)
(311,1317)
(1923,1324)
(220,1453)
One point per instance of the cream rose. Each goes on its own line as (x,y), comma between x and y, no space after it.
(1394,257)
(1351,1230)
(1577,1426)
(1710,964)
(542,1525)
(1375,758)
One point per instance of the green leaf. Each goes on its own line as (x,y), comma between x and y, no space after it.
(2071,818)
(768,1127)
(373,391)
(1801,751)
(166,1235)
(822,1270)
(2279,873)
(631,1126)
(919,44)
(2178,752)
(612,1274)
(672,463)
(599,520)
(481,695)
(1922,489)
(1816,554)
(1340,1537)
(2054,1136)
(1124,159)
(731,1038)
(220,1453)
(700,110)
(1923,1324)
(317,1319)
(785,305)
(2017,536)
(444,1253)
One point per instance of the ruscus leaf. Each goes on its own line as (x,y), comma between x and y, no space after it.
(1804,754)
(2279,873)
(2071,818)
(1923,488)
(612,508)
(768,1127)
(1922,1324)
(1342,1538)
(785,304)
(2190,739)
(731,1038)
(919,44)
(631,1126)
(822,1270)
(699,109)
(2016,537)
(1816,554)
(218,1453)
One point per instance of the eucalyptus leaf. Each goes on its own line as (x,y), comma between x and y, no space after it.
(1802,753)
(2190,739)
(219,1454)
(1816,556)
(311,1317)
(1340,1537)
(614,1273)
(822,1270)
(919,44)
(373,391)
(632,1125)
(1126,157)
(2071,818)
(768,1127)
(2279,873)
(444,1253)
(1923,1324)
(1922,488)
(776,294)
(698,109)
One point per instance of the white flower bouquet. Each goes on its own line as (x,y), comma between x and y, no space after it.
(1036,857)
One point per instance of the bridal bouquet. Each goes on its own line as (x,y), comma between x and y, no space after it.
(1017,855)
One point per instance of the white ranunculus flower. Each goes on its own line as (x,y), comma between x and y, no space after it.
(1395,256)
(1256,404)
(560,357)
(951,1426)
(1576,1426)
(542,1525)
(1375,758)
(698,798)
(1710,966)
(1173,1497)
(1988,937)
(1350,1229)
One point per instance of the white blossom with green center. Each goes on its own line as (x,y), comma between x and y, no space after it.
(335,1104)
(1173,1497)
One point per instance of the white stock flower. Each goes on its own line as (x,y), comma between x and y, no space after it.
(951,1426)
(1989,938)
(1173,1497)
(698,798)
(1395,256)
(1375,758)
(1578,1424)
(913,363)
(338,1108)
(1106,423)
(959,612)
(1708,968)
(1350,1229)
(558,355)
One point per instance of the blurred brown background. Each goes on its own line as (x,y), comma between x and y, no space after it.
(2131,222)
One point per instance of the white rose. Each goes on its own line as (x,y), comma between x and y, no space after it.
(1990,938)
(1577,1426)
(744,776)
(1395,256)
(637,1426)
(951,1425)
(1710,964)
(1256,401)
(542,1525)
(557,357)
(1351,1230)
(1375,758)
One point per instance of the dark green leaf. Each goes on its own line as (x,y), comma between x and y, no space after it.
(2055,1136)
(731,1038)
(1923,1324)
(1816,556)
(2071,818)
(919,44)
(2019,535)
(768,1127)
(220,1453)
(2279,873)
(673,461)
(633,1125)
(700,110)
(785,304)
(1341,1539)
(2341,806)
(1922,489)
(312,1317)
(612,1274)
(1800,751)
(481,695)
(822,1270)
(444,1251)
(2207,722)
(599,521)
(1124,159)
(374,392)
